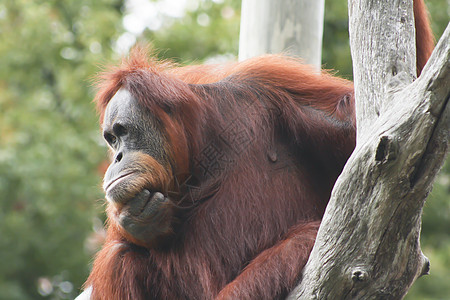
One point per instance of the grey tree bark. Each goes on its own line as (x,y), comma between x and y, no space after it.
(294,27)
(368,243)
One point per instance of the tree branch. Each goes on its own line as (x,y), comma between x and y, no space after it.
(368,243)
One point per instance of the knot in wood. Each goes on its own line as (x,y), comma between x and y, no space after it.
(425,266)
(387,149)
(394,70)
(359,275)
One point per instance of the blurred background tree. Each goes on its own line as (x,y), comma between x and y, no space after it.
(50,146)
(51,152)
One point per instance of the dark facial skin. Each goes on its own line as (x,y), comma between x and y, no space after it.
(134,182)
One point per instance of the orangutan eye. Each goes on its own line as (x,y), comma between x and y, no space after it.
(109,138)
(119,130)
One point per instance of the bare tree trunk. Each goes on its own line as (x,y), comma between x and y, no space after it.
(294,27)
(368,243)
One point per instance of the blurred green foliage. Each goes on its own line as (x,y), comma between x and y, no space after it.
(209,31)
(51,150)
(50,146)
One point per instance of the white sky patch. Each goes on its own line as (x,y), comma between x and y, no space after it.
(124,43)
(142,14)
(203,20)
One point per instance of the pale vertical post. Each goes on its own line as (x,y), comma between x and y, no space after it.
(293,27)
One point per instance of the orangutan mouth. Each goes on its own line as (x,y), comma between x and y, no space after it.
(116,180)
